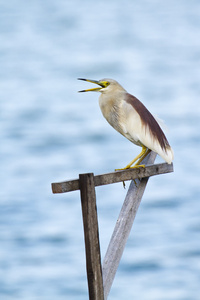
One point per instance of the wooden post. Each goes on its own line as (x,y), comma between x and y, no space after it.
(91,233)
(99,288)
(123,228)
(118,176)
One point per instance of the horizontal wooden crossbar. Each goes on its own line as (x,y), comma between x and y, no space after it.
(117,176)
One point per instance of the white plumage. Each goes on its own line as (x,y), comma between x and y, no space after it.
(131,118)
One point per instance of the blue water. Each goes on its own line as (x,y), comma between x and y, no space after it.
(50,133)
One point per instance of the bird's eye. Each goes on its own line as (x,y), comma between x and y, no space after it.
(106,83)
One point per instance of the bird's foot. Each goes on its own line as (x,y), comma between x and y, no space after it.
(137,166)
(129,167)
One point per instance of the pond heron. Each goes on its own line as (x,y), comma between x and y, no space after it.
(126,114)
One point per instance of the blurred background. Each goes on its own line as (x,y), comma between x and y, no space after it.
(51,133)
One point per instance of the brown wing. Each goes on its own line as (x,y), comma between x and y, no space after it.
(148,121)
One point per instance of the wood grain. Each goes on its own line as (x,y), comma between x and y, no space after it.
(118,176)
(123,227)
(91,234)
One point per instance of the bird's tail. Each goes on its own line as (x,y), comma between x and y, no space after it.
(167,154)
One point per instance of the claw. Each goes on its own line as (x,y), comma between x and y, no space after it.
(134,167)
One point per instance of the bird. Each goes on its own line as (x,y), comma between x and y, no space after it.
(129,116)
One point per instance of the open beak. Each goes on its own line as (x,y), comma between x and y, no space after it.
(94,89)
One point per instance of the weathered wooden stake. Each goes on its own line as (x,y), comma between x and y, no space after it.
(91,233)
(123,227)
(99,288)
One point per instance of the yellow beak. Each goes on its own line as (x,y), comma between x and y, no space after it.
(94,89)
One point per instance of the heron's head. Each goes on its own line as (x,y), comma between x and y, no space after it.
(105,85)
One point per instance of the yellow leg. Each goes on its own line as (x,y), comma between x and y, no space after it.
(139,157)
(142,157)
